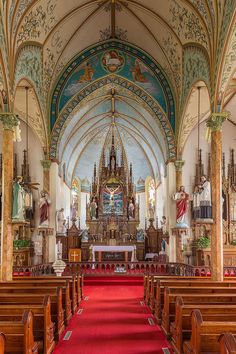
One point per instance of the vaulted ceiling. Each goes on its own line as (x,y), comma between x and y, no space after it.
(188,39)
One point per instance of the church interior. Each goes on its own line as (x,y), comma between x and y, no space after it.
(117,176)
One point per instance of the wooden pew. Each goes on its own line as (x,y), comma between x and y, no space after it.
(57,312)
(160,285)
(181,327)
(168,313)
(227,344)
(66,283)
(205,335)
(150,280)
(19,335)
(76,288)
(43,325)
(41,288)
(2,343)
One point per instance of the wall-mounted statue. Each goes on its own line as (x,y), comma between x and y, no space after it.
(131,209)
(44,204)
(93,209)
(18,203)
(181,198)
(61,222)
(205,199)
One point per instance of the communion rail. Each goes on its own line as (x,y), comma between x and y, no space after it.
(124,268)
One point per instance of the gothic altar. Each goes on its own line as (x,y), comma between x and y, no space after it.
(112,214)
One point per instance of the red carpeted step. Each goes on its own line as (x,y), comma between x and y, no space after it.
(112,319)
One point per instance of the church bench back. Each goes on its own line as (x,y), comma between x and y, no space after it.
(43,325)
(149,279)
(19,335)
(74,285)
(2,343)
(205,334)
(49,289)
(227,344)
(27,299)
(158,300)
(78,279)
(181,327)
(168,313)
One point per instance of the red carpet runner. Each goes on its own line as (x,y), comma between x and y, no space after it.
(112,319)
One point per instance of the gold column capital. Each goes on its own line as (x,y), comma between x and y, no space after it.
(9,120)
(46,164)
(214,123)
(179,165)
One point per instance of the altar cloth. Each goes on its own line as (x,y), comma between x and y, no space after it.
(105,248)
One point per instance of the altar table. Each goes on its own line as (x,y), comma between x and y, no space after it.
(104,248)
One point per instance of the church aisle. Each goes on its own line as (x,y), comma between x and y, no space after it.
(112,319)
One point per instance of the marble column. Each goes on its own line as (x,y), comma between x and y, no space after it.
(214,125)
(9,121)
(170,208)
(46,174)
(178,167)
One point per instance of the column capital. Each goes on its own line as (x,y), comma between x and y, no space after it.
(214,123)
(9,120)
(46,164)
(179,164)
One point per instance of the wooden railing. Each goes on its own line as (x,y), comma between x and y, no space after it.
(124,268)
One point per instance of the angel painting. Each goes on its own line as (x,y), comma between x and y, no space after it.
(87,76)
(138,72)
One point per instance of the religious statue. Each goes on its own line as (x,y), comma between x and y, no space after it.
(140,235)
(18,204)
(181,198)
(131,209)
(205,199)
(44,203)
(84,236)
(164,225)
(74,207)
(163,245)
(61,222)
(151,199)
(93,209)
(151,211)
(196,203)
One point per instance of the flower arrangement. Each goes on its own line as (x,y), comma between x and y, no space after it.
(233,243)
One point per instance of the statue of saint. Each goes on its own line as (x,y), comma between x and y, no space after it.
(164,225)
(44,203)
(18,204)
(196,203)
(205,199)
(93,209)
(131,209)
(61,222)
(181,198)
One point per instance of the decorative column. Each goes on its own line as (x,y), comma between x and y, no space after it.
(9,121)
(170,208)
(46,174)
(214,125)
(178,167)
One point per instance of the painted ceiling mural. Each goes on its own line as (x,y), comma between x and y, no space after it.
(113,57)
(40,37)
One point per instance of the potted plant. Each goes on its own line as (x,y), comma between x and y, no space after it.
(203,242)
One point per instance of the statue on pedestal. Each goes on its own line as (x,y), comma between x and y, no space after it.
(205,199)
(93,209)
(181,198)
(61,222)
(131,209)
(44,203)
(18,204)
